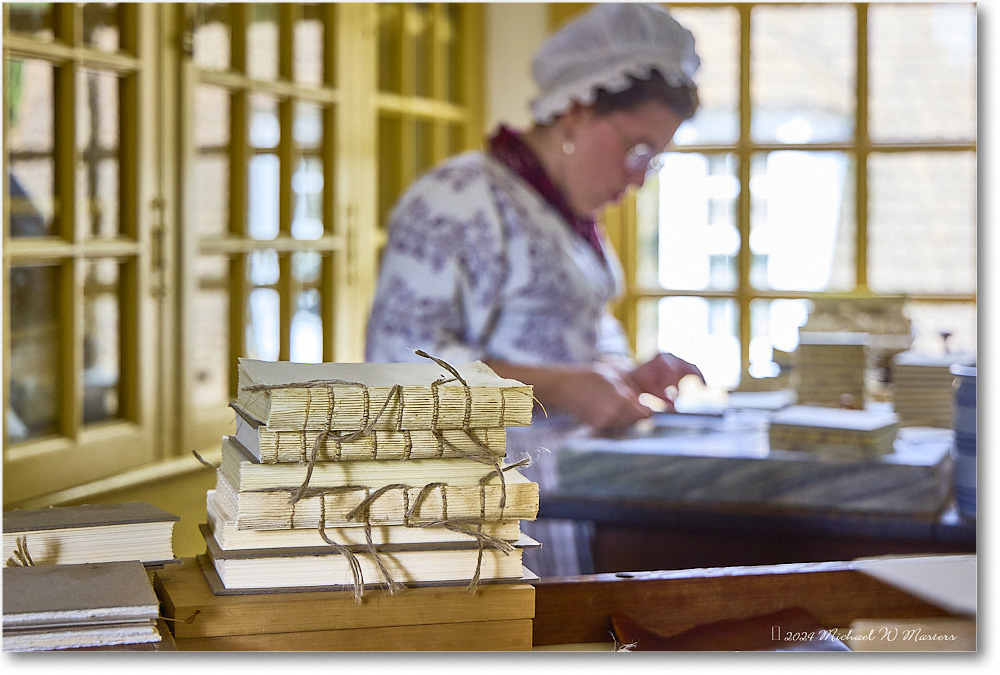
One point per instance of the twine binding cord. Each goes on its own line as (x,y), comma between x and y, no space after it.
(21,557)
(352,560)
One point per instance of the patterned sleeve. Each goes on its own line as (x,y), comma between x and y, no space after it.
(441,271)
(611,338)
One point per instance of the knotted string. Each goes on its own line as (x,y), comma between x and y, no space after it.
(21,557)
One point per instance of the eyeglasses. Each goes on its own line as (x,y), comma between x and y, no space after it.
(640,157)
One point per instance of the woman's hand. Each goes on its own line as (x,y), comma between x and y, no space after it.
(601,397)
(597,394)
(660,373)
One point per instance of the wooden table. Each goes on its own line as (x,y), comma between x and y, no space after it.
(631,535)
(577,610)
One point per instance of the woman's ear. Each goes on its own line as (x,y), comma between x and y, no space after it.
(571,120)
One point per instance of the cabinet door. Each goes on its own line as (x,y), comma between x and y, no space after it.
(79,254)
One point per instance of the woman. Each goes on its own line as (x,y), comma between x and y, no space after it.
(496,256)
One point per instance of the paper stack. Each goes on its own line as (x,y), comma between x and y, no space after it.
(922,388)
(93,605)
(61,535)
(837,433)
(348,478)
(829,369)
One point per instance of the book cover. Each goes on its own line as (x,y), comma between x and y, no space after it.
(42,595)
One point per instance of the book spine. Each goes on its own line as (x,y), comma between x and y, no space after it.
(404,505)
(297,446)
(412,408)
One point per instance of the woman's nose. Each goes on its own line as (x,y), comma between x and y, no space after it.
(636,178)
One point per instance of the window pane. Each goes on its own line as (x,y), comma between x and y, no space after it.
(210,327)
(455,139)
(802,221)
(212,36)
(390,184)
(211,123)
(307,328)
(263,320)
(307,130)
(35,352)
(703,331)
(262,41)
(264,132)
(802,73)
(102,313)
(306,266)
(262,268)
(922,72)
(423,146)
(419,30)
(308,46)
(774,324)
(307,196)
(35,19)
(101,26)
(390,23)
(688,236)
(922,222)
(211,131)
(31,144)
(717,39)
(97,137)
(307,180)
(941,325)
(448,36)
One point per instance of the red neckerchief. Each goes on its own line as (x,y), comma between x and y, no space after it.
(507,146)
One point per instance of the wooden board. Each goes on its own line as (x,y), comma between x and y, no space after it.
(508,635)
(578,609)
(197,612)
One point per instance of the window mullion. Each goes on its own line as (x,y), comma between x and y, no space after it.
(863,148)
(744,150)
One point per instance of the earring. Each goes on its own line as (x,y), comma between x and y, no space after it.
(568,148)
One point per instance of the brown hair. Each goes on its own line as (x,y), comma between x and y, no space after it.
(682,99)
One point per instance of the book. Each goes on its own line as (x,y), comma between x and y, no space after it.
(923,388)
(833,431)
(83,605)
(829,368)
(90,533)
(271,446)
(272,509)
(222,523)
(324,566)
(393,396)
(246,473)
(197,612)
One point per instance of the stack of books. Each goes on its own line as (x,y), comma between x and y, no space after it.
(829,369)
(87,606)
(349,478)
(91,533)
(832,432)
(923,388)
